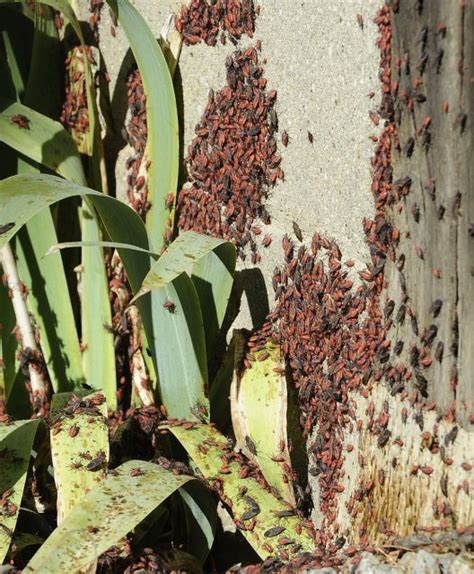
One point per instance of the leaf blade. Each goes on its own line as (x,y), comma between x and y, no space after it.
(113,508)
(89,434)
(44,140)
(210,462)
(16,442)
(161,114)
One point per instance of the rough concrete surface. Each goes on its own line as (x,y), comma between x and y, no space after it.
(323,66)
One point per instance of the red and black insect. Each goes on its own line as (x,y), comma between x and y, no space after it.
(21,121)
(169,306)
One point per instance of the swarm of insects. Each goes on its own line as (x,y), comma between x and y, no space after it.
(202,21)
(233,160)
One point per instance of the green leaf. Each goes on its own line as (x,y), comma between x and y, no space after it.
(183,255)
(213,277)
(111,510)
(23,196)
(211,452)
(16,442)
(260,394)
(44,140)
(182,375)
(70,449)
(49,301)
(161,115)
(201,519)
(180,349)
(98,356)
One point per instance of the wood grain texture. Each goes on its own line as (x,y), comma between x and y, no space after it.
(433,63)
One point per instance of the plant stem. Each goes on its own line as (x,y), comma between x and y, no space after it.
(25,328)
(139,374)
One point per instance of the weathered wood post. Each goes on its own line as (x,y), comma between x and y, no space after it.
(408,461)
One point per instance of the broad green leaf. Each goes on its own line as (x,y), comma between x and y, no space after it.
(16,442)
(23,196)
(98,356)
(161,115)
(182,376)
(183,255)
(71,244)
(44,140)
(47,142)
(76,440)
(211,264)
(213,455)
(180,348)
(260,394)
(106,514)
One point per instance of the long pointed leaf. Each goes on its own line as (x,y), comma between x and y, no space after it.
(16,442)
(161,114)
(178,320)
(105,515)
(23,196)
(47,142)
(76,440)
(261,394)
(210,262)
(209,449)
(43,140)
(97,338)
(180,348)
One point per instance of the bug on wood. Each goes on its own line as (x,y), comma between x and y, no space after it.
(409,147)
(310,137)
(21,121)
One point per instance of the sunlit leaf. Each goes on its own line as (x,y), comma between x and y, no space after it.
(212,454)
(111,510)
(16,442)
(161,115)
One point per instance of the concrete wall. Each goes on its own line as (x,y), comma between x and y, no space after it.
(323,65)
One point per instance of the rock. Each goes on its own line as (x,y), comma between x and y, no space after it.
(370,564)
(461,565)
